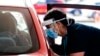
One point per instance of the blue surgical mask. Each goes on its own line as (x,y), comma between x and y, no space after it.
(51,33)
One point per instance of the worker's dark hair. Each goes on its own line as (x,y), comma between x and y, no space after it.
(56,14)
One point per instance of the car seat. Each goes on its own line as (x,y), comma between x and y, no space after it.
(7,31)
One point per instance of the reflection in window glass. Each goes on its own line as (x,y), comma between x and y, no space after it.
(14,32)
(21,24)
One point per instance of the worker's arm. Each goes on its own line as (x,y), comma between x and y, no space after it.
(77,54)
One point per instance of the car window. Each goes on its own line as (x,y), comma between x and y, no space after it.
(17,31)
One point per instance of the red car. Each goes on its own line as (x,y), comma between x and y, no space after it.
(41,8)
(41,5)
(20,30)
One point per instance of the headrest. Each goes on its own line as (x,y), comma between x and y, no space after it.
(7,23)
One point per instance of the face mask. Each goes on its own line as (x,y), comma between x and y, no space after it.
(51,33)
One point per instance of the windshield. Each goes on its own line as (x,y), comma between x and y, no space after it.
(17,33)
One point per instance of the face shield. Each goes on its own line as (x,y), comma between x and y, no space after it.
(50,31)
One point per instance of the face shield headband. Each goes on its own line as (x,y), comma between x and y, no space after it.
(50,21)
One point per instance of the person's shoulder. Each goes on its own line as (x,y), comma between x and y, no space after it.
(83,26)
(78,26)
(86,28)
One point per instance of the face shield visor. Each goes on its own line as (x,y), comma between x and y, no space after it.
(50,31)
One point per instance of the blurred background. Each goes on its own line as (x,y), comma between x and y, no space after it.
(84,16)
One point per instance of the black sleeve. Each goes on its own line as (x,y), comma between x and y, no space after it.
(76,44)
(50,40)
(80,37)
(93,47)
(58,49)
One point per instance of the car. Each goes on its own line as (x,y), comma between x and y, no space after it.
(21,33)
(41,5)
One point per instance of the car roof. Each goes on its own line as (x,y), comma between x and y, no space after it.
(18,3)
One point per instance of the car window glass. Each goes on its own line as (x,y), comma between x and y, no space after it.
(17,32)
